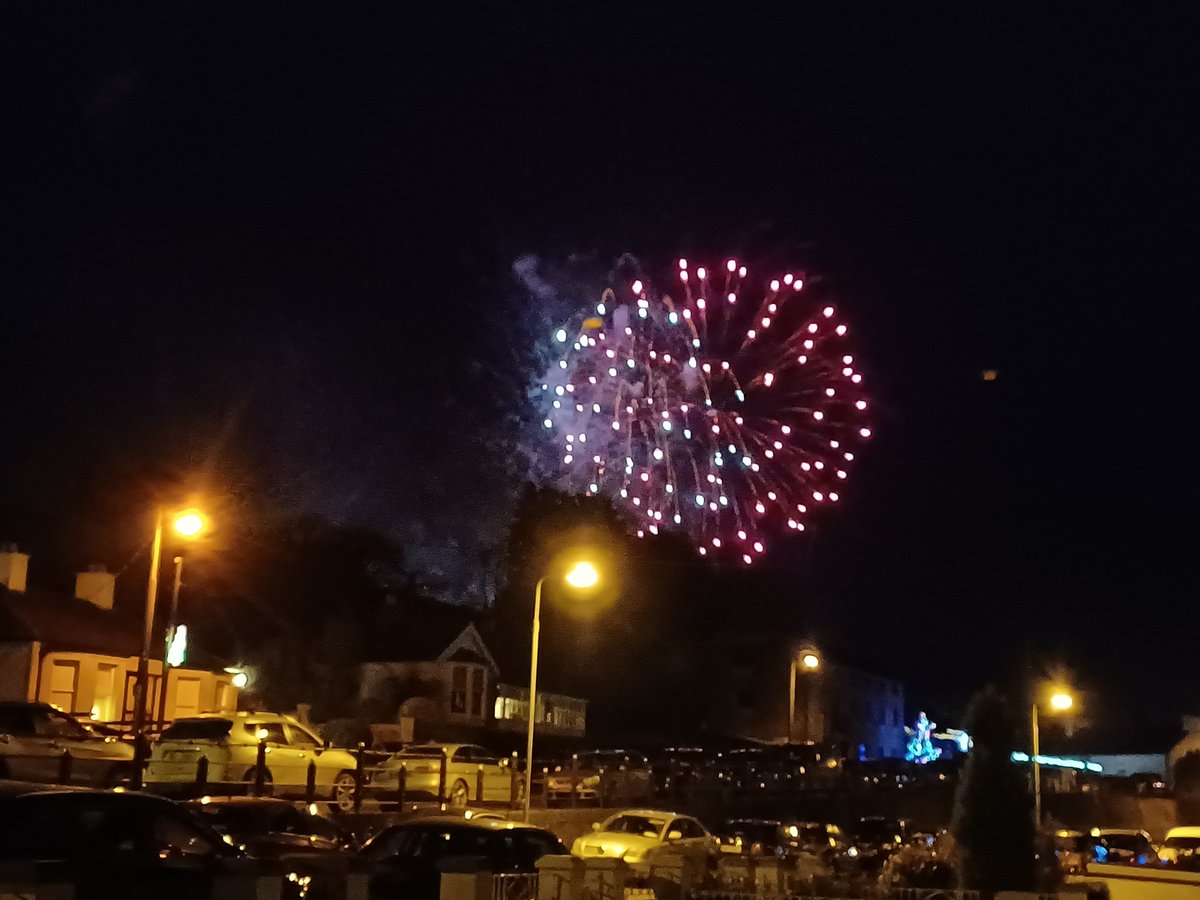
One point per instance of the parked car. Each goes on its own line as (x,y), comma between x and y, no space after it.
(1123,845)
(752,837)
(34,736)
(230,743)
(105,844)
(602,776)
(407,857)
(464,764)
(639,835)
(1181,848)
(271,828)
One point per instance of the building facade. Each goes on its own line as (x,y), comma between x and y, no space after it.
(80,655)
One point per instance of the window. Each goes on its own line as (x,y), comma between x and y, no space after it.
(175,837)
(689,828)
(187,696)
(302,738)
(272,732)
(477,692)
(104,699)
(58,725)
(64,683)
(458,690)
(16,720)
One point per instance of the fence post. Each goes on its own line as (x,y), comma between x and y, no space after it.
(574,780)
(442,777)
(310,782)
(479,784)
(358,776)
(260,768)
(402,785)
(201,774)
(64,767)
(545,786)
(512,787)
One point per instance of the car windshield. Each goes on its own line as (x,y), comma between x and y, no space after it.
(429,843)
(197,730)
(247,820)
(644,825)
(1183,843)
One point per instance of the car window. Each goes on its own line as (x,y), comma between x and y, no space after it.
(271,732)
(58,725)
(197,730)
(484,756)
(689,828)
(403,841)
(16,721)
(464,754)
(302,738)
(627,824)
(174,837)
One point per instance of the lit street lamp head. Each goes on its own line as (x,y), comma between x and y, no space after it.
(1061,701)
(189,524)
(810,661)
(582,575)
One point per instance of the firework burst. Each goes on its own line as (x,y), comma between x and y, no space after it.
(724,405)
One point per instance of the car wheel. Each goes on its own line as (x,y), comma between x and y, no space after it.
(249,778)
(343,791)
(118,776)
(459,794)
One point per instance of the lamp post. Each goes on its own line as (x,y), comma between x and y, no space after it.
(581,576)
(189,524)
(1060,701)
(809,660)
(171,623)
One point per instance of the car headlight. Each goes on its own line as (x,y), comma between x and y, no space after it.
(852,852)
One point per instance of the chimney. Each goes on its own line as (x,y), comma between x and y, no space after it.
(96,586)
(14,565)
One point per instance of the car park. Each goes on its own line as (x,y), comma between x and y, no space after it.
(468,769)
(407,858)
(230,744)
(603,777)
(35,737)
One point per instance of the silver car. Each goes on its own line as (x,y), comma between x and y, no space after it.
(35,736)
(468,766)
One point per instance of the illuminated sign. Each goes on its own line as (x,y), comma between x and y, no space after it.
(1058,762)
(177,646)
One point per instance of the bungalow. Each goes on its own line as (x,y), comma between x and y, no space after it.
(80,655)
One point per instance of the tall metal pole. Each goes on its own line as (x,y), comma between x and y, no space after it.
(161,718)
(1037,770)
(792,703)
(141,685)
(533,661)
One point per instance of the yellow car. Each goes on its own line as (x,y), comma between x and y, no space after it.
(468,768)
(230,744)
(640,835)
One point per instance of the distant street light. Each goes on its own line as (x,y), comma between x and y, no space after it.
(189,524)
(808,659)
(1060,701)
(581,576)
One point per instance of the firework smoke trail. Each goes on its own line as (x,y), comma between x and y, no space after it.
(726,408)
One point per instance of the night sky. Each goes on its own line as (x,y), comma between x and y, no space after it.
(234,229)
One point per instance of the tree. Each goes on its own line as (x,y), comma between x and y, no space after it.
(1187,774)
(993,814)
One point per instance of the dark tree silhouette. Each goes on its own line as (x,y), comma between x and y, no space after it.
(993,813)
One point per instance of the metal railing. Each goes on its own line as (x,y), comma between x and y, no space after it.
(515,886)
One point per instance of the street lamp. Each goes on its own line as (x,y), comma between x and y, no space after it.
(581,575)
(188,524)
(809,661)
(1060,701)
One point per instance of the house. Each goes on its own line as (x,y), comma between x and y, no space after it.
(838,704)
(80,655)
(445,684)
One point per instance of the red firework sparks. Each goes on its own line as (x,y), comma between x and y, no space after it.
(721,410)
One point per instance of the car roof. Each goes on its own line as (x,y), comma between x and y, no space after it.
(1120,831)
(243,714)
(648,813)
(1184,831)
(266,802)
(481,824)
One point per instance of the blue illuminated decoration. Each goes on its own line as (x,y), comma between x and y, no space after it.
(920,747)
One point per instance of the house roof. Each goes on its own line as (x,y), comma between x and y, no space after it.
(63,622)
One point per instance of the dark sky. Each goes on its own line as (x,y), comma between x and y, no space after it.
(235,224)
